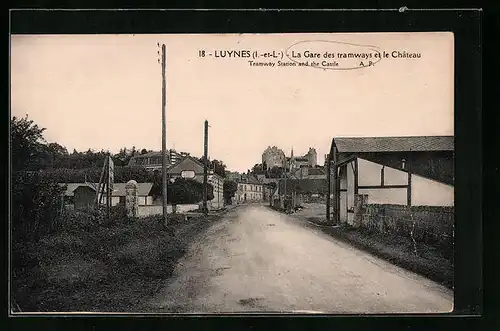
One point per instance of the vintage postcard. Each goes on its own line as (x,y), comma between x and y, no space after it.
(232,173)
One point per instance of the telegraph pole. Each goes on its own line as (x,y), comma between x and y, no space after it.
(164,135)
(108,188)
(336,191)
(205,170)
(329,190)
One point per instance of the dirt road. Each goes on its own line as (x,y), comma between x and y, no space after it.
(256,259)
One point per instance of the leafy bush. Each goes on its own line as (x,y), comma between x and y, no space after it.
(187,191)
(37,205)
(230,188)
(118,213)
(183,191)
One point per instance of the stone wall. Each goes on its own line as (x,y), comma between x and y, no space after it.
(432,225)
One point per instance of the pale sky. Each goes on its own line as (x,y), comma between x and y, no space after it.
(104,92)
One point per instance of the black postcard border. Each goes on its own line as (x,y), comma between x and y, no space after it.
(466,26)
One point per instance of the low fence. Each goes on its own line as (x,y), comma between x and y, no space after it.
(427,224)
(150,210)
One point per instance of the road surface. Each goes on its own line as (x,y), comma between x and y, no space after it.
(258,260)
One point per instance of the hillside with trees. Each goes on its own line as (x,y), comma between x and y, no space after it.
(38,167)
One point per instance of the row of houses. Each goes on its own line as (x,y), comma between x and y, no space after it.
(83,195)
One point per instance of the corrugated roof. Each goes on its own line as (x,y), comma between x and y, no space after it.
(118,188)
(394,144)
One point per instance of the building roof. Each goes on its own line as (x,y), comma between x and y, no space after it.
(118,188)
(184,158)
(249,179)
(316,171)
(393,144)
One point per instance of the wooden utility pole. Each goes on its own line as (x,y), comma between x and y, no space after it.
(205,169)
(336,191)
(108,189)
(329,188)
(164,136)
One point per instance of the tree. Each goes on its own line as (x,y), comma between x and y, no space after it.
(219,168)
(144,151)
(27,144)
(276,172)
(57,150)
(184,191)
(258,169)
(230,188)
(36,200)
(36,205)
(216,165)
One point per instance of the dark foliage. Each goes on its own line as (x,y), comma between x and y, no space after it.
(182,191)
(37,205)
(258,169)
(230,188)
(122,174)
(216,165)
(27,144)
(187,191)
(276,172)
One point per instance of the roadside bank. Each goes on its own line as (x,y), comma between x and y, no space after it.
(101,268)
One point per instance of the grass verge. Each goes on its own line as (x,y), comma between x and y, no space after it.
(399,250)
(111,268)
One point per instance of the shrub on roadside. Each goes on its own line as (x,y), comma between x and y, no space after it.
(36,205)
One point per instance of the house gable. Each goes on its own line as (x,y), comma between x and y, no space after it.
(186,164)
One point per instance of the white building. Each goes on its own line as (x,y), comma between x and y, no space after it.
(409,171)
(250,190)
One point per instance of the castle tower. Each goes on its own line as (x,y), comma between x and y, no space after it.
(312,157)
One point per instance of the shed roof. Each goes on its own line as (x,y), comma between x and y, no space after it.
(393,144)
